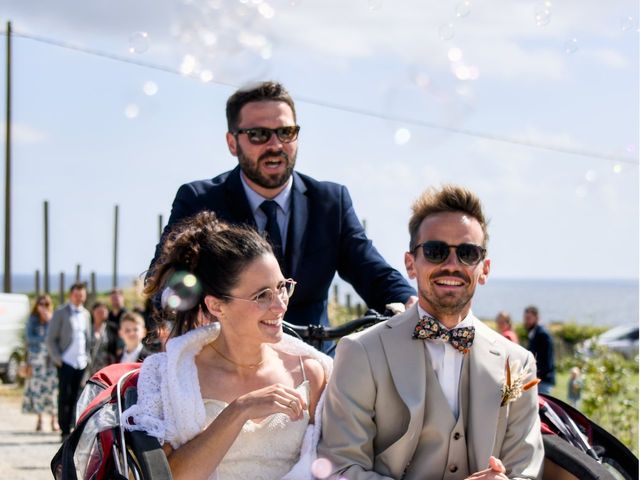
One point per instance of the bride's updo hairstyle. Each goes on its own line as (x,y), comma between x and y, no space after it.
(214,252)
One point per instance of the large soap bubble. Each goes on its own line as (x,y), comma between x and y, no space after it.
(182,292)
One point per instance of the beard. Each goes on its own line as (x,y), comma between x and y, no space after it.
(251,168)
(449,303)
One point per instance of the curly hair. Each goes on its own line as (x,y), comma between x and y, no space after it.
(213,251)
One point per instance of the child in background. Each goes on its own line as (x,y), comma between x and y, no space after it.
(132,331)
(575,387)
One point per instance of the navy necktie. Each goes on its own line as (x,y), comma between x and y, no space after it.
(270,207)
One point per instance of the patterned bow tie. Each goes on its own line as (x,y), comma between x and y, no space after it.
(460,338)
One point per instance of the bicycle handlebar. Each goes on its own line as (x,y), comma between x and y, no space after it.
(316,334)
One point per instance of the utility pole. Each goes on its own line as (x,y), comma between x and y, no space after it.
(114,281)
(7,173)
(46,247)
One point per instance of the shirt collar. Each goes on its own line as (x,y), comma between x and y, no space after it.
(283,199)
(466,321)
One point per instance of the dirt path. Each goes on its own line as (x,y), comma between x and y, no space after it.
(24,453)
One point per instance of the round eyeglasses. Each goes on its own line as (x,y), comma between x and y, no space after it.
(264,299)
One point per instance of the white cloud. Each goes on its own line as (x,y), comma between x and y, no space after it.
(22,133)
(608,57)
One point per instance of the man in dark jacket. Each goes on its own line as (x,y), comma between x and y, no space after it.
(311,224)
(541,345)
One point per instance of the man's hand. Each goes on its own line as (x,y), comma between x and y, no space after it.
(496,471)
(410,301)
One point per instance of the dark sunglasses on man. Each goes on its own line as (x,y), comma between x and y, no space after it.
(261,135)
(436,251)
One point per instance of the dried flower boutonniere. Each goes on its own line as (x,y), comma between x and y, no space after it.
(514,385)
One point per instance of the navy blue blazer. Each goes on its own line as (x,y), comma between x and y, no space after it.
(324,237)
(541,345)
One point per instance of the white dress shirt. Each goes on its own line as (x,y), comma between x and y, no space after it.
(447,363)
(283,213)
(128,357)
(76,354)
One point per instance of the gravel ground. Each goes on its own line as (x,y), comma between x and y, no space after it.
(24,453)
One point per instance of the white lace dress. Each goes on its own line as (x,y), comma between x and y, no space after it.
(171,408)
(252,454)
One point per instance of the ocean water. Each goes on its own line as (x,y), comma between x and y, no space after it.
(587,302)
(25,283)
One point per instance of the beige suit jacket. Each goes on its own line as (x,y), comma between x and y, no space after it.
(375,403)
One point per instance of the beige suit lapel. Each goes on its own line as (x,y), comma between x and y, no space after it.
(406,359)
(486,376)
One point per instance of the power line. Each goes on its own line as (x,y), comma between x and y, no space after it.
(345,108)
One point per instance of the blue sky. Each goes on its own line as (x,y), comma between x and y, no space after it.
(569,84)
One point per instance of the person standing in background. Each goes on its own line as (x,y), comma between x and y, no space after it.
(541,345)
(100,355)
(116,345)
(574,387)
(41,391)
(505,327)
(69,342)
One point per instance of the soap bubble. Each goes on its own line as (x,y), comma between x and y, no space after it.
(206,76)
(266,10)
(462,72)
(454,54)
(402,136)
(463,8)
(188,64)
(182,292)
(617,168)
(131,111)
(321,468)
(422,80)
(542,14)
(138,42)
(590,176)
(627,23)
(446,31)
(571,46)
(375,5)
(150,88)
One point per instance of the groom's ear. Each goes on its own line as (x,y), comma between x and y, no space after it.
(409,264)
(486,266)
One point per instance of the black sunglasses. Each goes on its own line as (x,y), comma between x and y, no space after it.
(261,135)
(436,251)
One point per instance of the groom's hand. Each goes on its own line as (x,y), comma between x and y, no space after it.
(496,471)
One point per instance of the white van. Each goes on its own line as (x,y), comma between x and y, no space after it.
(14,311)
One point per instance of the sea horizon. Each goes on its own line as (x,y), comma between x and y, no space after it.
(587,301)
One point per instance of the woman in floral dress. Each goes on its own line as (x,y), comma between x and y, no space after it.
(41,390)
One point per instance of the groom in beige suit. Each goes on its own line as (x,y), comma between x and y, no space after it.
(423,395)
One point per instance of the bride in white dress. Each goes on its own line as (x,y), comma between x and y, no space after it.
(232,397)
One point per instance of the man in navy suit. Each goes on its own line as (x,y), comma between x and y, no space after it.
(311,224)
(541,345)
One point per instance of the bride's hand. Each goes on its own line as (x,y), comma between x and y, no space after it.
(266,401)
